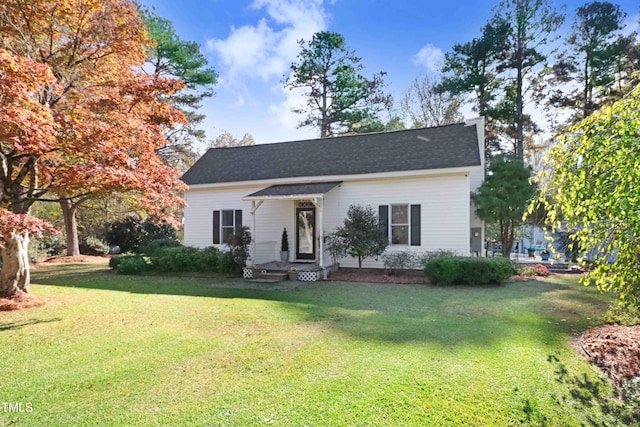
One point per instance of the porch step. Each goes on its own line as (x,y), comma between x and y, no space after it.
(278,277)
(270,281)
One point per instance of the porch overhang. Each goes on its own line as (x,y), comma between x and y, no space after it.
(310,190)
(313,191)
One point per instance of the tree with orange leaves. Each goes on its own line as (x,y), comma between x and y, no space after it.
(77,116)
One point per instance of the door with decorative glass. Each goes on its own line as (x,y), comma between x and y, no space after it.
(305,231)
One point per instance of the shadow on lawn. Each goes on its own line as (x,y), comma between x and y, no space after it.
(591,392)
(449,316)
(8,326)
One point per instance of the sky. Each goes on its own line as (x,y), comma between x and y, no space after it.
(252,43)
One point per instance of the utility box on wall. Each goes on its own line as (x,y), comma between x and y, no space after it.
(476,241)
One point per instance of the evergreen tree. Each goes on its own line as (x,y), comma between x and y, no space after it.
(338,96)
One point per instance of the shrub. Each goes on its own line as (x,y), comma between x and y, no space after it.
(53,245)
(361,233)
(468,270)
(284,243)
(93,246)
(238,244)
(336,246)
(155,246)
(208,259)
(132,233)
(184,259)
(226,264)
(624,314)
(131,264)
(163,260)
(398,262)
(528,270)
(425,256)
(177,260)
(542,270)
(114,261)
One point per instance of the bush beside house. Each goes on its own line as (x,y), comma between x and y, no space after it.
(451,270)
(183,259)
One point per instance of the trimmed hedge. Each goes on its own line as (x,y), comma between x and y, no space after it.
(457,270)
(181,259)
(129,264)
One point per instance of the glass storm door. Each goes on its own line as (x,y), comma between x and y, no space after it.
(305,233)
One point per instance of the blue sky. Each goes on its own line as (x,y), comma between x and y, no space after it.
(251,44)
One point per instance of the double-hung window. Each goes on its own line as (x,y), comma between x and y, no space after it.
(225,222)
(401,223)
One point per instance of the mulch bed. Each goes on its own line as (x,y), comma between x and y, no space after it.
(376,276)
(82,259)
(615,349)
(21,301)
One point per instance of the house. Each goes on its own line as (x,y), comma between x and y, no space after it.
(419,180)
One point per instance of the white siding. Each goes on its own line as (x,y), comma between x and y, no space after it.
(271,218)
(444,201)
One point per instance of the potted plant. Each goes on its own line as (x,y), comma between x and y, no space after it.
(293,273)
(284,246)
(544,255)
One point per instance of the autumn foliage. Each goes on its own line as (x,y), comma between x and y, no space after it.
(78,115)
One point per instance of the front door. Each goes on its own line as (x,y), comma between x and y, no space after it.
(306,233)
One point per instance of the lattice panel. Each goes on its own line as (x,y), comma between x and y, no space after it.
(247,273)
(308,276)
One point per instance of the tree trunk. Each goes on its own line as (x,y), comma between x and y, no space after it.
(520,64)
(15,275)
(70,226)
(506,237)
(519,117)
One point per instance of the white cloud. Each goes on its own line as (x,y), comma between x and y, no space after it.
(281,112)
(431,57)
(267,48)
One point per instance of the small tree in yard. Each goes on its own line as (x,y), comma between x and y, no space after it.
(591,189)
(361,233)
(504,196)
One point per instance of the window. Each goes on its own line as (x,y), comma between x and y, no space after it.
(401,223)
(225,222)
(227,226)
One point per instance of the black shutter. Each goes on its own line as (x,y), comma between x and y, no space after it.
(383,219)
(238,219)
(216,227)
(415,225)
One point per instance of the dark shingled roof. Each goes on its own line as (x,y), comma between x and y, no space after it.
(415,149)
(296,189)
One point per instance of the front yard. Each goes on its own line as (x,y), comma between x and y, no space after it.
(146,351)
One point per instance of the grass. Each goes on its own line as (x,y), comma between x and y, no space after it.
(155,351)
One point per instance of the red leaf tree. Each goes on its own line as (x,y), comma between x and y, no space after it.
(78,117)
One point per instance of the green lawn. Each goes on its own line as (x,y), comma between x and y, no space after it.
(110,350)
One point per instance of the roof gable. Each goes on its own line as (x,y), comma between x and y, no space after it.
(415,149)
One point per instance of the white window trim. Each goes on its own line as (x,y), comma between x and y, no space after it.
(223,227)
(392,224)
